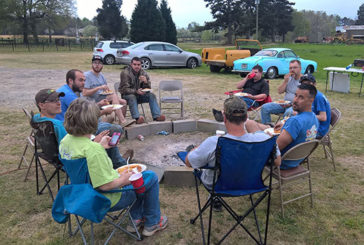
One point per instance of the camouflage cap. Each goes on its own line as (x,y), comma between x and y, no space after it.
(235,107)
(47,95)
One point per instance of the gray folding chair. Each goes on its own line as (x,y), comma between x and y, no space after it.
(116,88)
(326,140)
(170,86)
(284,177)
(29,143)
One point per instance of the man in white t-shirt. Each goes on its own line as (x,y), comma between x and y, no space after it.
(235,116)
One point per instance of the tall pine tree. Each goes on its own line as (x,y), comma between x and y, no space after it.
(111,23)
(171,32)
(147,23)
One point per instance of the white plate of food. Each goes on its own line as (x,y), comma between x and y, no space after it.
(283,102)
(137,166)
(108,92)
(271,131)
(240,94)
(146,90)
(115,107)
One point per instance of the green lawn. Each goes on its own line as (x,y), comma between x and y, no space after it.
(338,213)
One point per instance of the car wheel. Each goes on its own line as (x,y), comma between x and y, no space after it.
(146,63)
(215,68)
(271,73)
(192,63)
(309,70)
(109,59)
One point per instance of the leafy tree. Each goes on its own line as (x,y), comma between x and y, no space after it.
(346,21)
(224,13)
(170,27)
(360,20)
(276,18)
(147,23)
(300,23)
(111,23)
(89,31)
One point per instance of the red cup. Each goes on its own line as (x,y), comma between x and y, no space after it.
(252,75)
(137,181)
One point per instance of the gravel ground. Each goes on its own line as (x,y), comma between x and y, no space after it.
(19,87)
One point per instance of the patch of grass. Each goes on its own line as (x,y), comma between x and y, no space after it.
(336,218)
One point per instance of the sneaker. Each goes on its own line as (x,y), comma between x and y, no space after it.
(128,154)
(218,115)
(138,224)
(161,118)
(149,231)
(140,120)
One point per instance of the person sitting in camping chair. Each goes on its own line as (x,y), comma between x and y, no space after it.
(235,115)
(81,121)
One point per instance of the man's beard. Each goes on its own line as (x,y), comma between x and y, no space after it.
(97,70)
(76,88)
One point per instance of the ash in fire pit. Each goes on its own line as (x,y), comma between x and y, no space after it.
(159,150)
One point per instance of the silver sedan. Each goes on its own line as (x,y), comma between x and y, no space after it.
(158,54)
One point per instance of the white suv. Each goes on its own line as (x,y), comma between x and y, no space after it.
(107,50)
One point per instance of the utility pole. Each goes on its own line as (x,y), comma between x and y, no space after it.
(256,23)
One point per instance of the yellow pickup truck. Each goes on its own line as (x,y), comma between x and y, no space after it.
(218,58)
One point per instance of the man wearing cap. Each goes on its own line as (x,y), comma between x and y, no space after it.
(235,115)
(297,129)
(289,86)
(96,85)
(132,81)
(255,86)
(47,101)
(320,106)
(75,81)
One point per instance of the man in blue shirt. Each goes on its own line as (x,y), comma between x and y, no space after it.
(320,106)
(75,81)
(47,101)
(297,129)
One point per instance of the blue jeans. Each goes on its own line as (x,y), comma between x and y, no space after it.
(273,108)
(249,102)
(147,203)
(113,152)
(133,101)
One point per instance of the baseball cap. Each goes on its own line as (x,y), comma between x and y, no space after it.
(308,77)
(97,57)
(47,95)
(235,107)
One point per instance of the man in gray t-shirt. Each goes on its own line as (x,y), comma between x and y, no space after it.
(96,89)
(235,116)
(289,87)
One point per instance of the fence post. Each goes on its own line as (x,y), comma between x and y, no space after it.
(69,45)
(28,45)
(12,45)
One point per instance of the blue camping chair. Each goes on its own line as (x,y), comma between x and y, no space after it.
(81,199)
(238,172)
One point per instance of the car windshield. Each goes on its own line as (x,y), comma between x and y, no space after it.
(270,53)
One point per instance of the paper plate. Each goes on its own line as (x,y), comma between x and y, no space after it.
(283,102)
(130,167)
(270,131)
(115,107)
(146,90)
(240,94)
(107,92)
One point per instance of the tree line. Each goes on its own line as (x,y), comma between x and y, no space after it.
(150,22)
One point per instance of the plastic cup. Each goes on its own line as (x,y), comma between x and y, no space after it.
(251,75)
(137,181)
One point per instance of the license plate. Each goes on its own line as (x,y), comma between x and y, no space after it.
(244,66)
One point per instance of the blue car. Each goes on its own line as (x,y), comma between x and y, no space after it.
(275,62)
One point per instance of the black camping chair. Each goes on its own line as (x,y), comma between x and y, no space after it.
(238,172)
(46,148)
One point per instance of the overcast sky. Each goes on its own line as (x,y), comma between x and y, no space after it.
(187,11)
